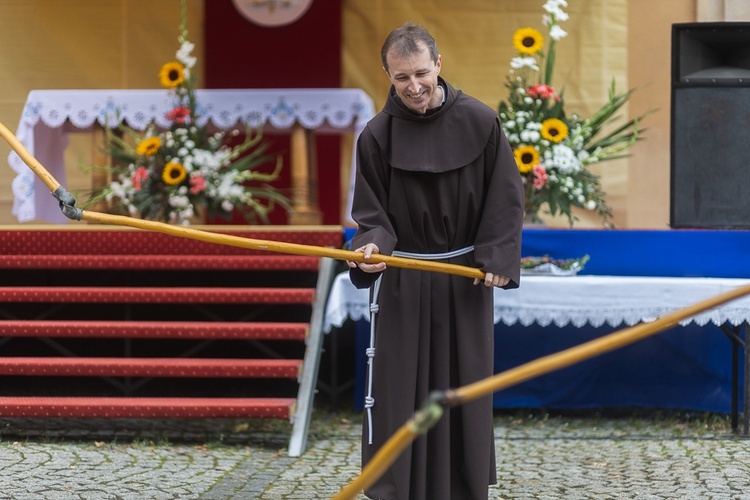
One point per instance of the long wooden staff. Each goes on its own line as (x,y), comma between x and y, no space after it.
(432,410)
(67,205)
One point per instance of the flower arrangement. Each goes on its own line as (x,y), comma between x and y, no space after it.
(172,175)
(552,149)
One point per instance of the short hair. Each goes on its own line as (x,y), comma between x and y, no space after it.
(406,40)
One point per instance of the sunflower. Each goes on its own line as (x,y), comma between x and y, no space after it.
(148,146)
(554,130)
(528,41)
(173,173)
(172,74)
(526,158)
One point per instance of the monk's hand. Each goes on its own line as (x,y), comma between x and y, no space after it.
(368,250)
(493,280)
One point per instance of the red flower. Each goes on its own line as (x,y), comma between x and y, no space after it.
(542,91)
(197,183)
(540,176)
(139,176)
(179,115)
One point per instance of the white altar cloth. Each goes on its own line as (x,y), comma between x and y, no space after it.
(578,300)
(49,115)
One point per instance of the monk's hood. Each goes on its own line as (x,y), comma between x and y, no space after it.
(445,139)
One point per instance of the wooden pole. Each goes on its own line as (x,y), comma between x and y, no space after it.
(590,349)
(282,247)
(29,160)
(304,178)
(408,432)
(223,239)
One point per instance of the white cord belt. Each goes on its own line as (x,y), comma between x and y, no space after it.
(374,308)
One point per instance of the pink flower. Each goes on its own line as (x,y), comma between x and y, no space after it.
(197,183)
(179,115)
(540,176)
(542,91)
(139,176)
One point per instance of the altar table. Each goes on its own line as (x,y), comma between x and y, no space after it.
(49,115)
(686,367)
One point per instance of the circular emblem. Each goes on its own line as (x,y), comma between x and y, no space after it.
(272,13)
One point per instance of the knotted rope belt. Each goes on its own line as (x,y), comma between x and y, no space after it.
(375,308)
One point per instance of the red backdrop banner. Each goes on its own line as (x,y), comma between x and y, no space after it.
(303,54)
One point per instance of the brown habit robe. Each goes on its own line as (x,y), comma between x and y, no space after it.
(433,184)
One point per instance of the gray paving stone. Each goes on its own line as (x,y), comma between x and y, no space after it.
(538,458)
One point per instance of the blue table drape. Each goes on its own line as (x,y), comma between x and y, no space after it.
(686,367)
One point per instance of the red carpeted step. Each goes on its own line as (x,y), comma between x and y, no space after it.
(162,262)
(90,240)
(92,251)
(153,295)
(151,367)
(154,329)
(93,407)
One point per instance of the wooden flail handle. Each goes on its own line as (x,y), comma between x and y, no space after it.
(67,205)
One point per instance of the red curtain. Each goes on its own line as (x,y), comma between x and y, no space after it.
(303,54)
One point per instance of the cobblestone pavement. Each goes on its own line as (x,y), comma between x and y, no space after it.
(539,457)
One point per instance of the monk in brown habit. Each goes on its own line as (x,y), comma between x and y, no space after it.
(435,179)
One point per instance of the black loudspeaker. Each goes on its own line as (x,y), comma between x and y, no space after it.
(710,126)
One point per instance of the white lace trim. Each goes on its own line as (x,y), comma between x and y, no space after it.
(614,318)
(47,113)
(578,301)
(312,108)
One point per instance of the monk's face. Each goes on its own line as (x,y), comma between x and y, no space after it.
(415,77)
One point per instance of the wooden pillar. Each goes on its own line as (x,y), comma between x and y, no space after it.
(99,177)
(347,151)
(304,178)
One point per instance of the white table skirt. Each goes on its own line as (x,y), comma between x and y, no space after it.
(48,115)
(578,300)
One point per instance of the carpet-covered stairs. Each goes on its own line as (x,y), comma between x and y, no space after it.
(118,323)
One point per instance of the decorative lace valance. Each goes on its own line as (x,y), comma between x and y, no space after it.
(49,115)
(579,300)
